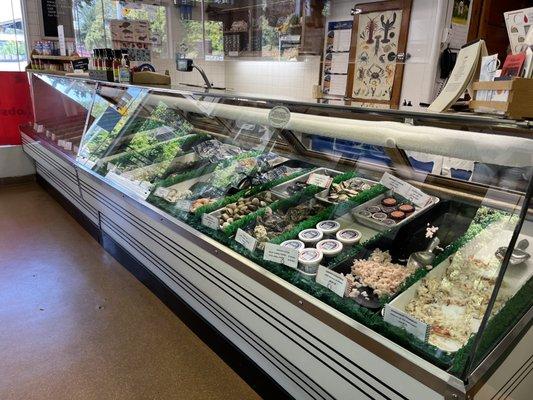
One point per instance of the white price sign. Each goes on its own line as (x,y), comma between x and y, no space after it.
(405,189)
(67,145)
(61,143)
(323,181)
(161,192)
(332,280)
(184,205)
(281,255)
(210,221)
(248,241)
(402,320)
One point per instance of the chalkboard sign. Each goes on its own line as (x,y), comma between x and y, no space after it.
(57,12)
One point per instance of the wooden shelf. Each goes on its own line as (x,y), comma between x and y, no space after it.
(56,58)
(46,71)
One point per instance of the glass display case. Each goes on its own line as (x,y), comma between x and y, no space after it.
(416,226)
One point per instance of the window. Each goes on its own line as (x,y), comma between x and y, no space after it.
(92,23)
(12,42)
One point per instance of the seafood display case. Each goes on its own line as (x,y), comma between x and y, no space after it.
(345,207)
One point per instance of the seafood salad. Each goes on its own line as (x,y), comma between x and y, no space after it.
(377,272)
(455,303)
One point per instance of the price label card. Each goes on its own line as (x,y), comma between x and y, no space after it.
(402,320)
(405,189)
(323,181)
(53,136)
(184,205)
(161,192)
(247,240)
(210,221)
(67,145)
(281,255)
(332,280)
(48,133)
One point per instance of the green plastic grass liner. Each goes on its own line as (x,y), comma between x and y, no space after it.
(333,211)
(292,201)
(155,153)
(497,327)
(246,193)
(185,176)
(346,306)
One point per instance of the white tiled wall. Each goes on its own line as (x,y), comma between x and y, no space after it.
(280,78)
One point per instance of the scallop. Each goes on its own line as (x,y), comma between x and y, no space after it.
(255,201)
(225,217)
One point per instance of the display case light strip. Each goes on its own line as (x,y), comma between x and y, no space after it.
(475,146)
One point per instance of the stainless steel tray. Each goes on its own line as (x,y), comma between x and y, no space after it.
(379,225)
(322,196)
(281,189)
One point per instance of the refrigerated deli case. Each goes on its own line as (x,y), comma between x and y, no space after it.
(349,253)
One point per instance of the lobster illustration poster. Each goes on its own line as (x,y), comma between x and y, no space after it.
(375,58)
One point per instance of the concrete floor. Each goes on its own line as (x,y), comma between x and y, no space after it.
(74,324)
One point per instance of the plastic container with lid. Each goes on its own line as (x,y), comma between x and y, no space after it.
(310,236)
(309,260)
(328,227)
(294,244)
(348,237)
(329,247)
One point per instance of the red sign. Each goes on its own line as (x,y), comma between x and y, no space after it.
(15,105)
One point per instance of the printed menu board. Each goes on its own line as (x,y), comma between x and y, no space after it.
(336,57)
(54,13)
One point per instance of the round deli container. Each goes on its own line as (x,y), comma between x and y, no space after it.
(348,237)
(329,247)
(310,236)
(309,259)
(294,244)
(328,227)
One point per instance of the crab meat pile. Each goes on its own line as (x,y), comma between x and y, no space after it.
(377,272)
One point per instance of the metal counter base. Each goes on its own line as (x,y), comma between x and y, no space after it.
(307,357)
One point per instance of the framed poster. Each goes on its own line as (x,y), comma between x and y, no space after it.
(377,53)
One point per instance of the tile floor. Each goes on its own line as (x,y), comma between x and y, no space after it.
(74,324)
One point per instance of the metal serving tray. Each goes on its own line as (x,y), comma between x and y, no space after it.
(281,189)
(322,196)
(379,225)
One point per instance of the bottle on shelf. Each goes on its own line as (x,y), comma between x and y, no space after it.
(117,62)
(124,70)
(108,63)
